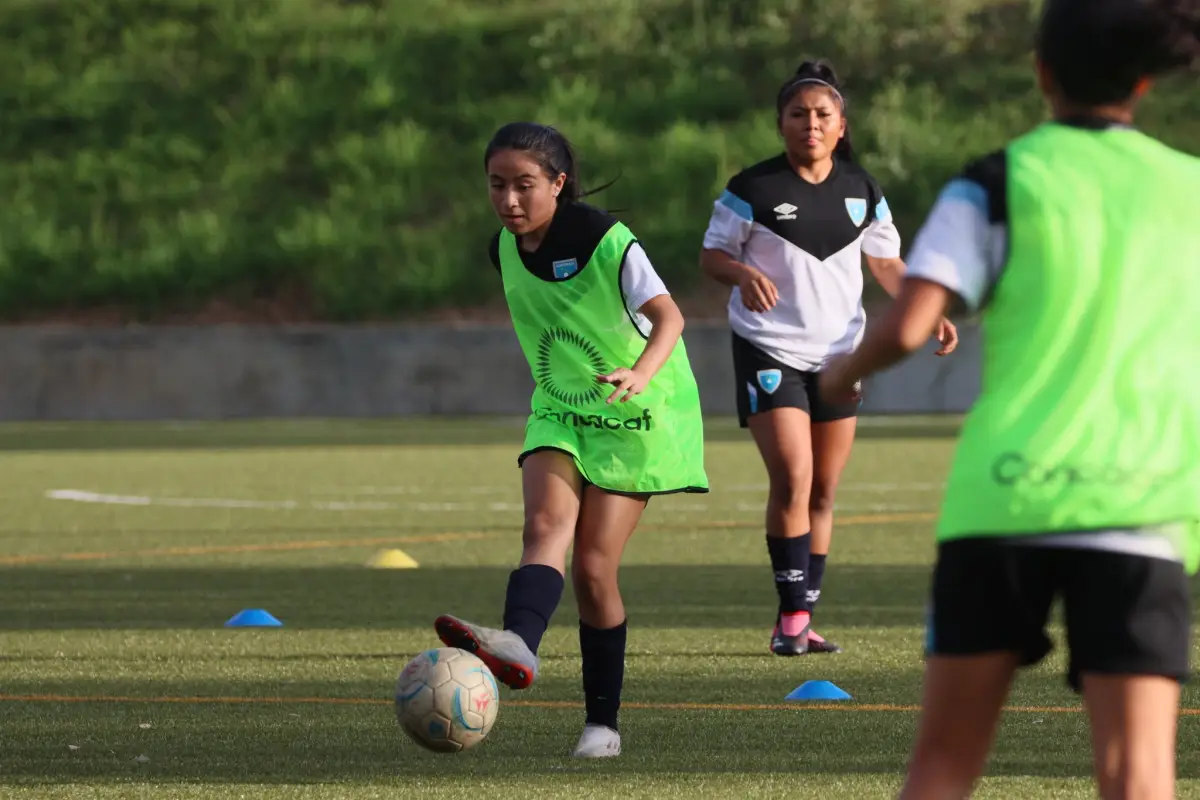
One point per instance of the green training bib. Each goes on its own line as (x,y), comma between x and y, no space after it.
(1089,411)
(572,331)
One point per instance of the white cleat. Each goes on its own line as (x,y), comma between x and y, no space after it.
(504,652)
(598,741)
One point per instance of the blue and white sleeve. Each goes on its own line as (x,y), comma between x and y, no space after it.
(730,225)
(882,239)
(959,247)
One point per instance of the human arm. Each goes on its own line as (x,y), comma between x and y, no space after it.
(881,247)
(657,318)
(915,315)
(757,290)
(955,262)
(889,272)
(667,319)
(729,230)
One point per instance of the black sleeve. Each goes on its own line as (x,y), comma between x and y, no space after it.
(494,251)
(991,172)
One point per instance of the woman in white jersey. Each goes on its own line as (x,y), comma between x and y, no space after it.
(788,235)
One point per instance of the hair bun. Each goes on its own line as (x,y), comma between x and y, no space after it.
(819,69)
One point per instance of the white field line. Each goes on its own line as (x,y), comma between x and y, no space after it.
(78,496)
(419,490)
(100,498)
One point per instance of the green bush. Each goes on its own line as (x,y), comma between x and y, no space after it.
(160,154)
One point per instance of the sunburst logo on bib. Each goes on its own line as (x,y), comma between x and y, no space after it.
(567,366)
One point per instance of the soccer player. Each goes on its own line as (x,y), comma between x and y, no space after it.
(789,235)
(1077,473)
(616,415)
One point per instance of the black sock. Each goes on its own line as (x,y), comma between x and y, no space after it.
(533,593)
(816,571)
(789,560)
(603,672)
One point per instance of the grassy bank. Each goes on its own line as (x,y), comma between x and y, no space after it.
(309,158)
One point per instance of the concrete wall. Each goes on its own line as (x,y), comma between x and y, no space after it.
(226,372)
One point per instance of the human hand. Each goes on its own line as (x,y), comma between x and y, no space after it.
(837,384)
(630,381)
(947,336)
(758,292)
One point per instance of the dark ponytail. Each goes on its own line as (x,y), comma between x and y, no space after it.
(553,153)
(817,72)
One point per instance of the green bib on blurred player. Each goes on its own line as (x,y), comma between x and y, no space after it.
(1089,414)
(576,329)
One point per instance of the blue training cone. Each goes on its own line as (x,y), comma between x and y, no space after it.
(817,690)
(253,618)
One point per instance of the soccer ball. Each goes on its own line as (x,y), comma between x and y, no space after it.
(447,700)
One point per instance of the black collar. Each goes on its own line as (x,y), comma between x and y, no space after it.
(1092,122)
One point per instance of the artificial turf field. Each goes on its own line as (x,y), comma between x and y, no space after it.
(125,548)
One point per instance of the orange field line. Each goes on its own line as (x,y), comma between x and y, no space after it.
(317,544)
(450,536)
(858,519)
(360,701)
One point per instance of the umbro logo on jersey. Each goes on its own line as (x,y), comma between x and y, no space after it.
(785,211)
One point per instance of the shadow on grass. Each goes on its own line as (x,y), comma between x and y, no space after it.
(672,596)
(441,431)
(343,598)
(298,743)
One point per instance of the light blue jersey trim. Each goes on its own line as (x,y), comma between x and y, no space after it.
(967,191)
(737,205)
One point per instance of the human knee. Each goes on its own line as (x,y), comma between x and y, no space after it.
(547,532)
(790,489)
(1134,772)
(594,576)
(824,489)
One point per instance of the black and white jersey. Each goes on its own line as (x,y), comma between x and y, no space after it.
(809,240)
(573,236)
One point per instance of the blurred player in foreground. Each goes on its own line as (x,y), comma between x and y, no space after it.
(1078,469)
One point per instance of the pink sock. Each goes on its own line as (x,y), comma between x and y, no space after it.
(793,624)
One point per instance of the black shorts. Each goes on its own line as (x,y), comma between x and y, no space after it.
(764,384)
(1125,614)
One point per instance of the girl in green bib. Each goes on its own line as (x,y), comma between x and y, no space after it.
(615,415)
(1077,474)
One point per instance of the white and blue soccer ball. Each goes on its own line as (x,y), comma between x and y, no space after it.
(447,700)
